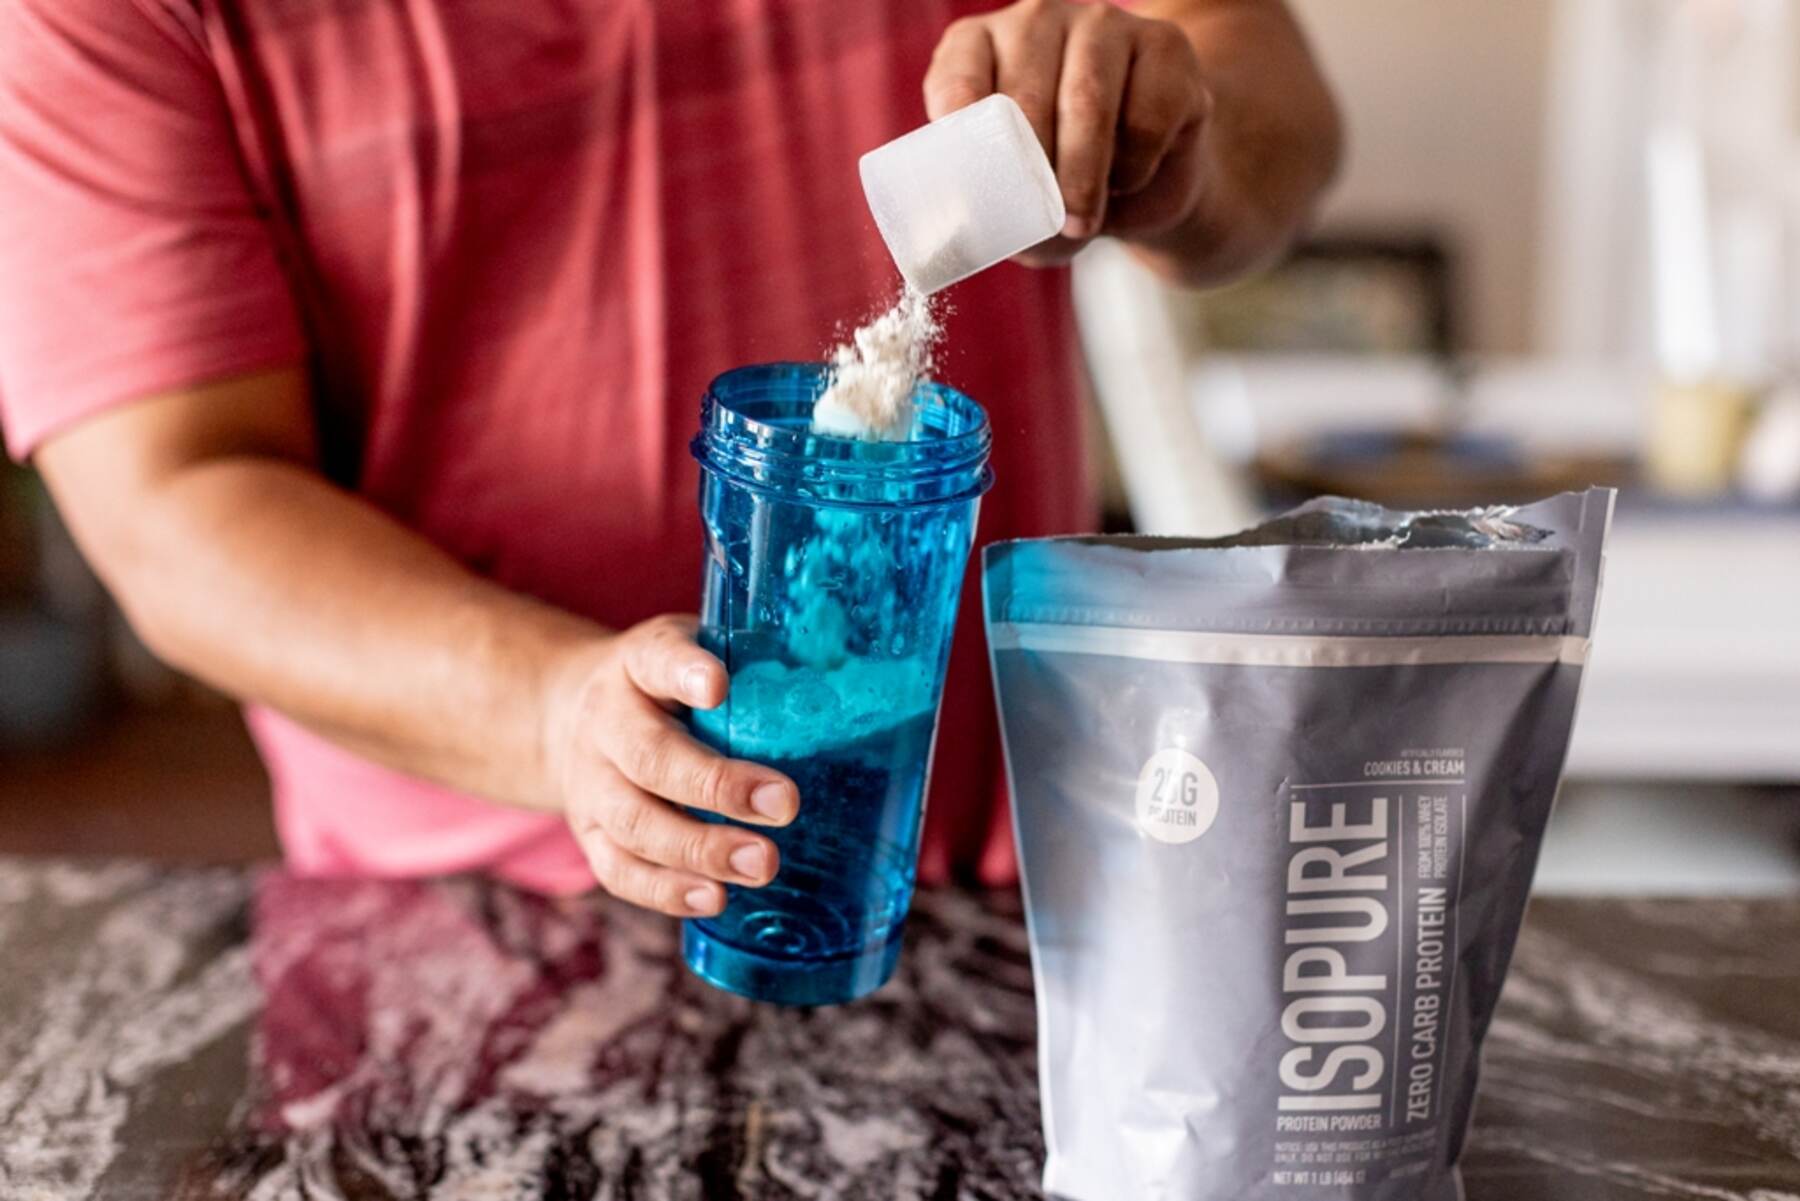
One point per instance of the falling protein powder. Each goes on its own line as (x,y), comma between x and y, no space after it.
(874,374)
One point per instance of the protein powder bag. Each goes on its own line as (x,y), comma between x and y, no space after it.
(1278,799)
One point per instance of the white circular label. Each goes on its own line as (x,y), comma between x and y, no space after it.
(1177,797)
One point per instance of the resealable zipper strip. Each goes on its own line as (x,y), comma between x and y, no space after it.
(1287,650)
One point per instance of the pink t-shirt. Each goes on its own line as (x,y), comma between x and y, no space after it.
(512,240)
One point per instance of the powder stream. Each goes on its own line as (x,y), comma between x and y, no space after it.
(873,375)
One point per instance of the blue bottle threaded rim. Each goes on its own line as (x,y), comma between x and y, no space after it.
(755,431)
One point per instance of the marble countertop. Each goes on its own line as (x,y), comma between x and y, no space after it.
(217,1033)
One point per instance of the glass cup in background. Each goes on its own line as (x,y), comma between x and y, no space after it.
(830,592)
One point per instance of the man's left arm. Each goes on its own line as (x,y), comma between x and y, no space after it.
(1198,131)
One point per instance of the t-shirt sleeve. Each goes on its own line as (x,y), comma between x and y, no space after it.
(133,257)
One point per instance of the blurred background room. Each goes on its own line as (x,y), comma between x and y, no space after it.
(1565,250)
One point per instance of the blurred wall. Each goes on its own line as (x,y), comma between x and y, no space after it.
(1446,102)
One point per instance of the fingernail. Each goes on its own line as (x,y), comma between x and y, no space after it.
(693,684)
(773,801)
(1079,227)
(700,900)
(749,860)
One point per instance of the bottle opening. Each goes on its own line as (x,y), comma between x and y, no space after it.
(756,430)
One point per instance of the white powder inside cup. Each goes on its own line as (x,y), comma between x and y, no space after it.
(874,374)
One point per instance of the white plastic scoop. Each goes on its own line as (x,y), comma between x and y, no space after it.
(958,195)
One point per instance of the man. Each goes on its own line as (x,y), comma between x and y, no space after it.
(360,342)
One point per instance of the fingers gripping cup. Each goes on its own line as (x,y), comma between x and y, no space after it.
(830,592)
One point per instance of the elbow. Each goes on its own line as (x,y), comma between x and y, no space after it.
(152,490)
(140,561)
(146,553)
(159,625)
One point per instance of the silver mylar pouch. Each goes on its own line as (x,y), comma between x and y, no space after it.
(1278,800)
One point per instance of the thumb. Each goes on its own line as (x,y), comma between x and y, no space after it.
(664,662)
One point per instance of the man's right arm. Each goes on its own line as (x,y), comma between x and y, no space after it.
(236,561)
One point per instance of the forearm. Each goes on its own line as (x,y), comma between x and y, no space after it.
(1272,142)
(259,577)
(236,560)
